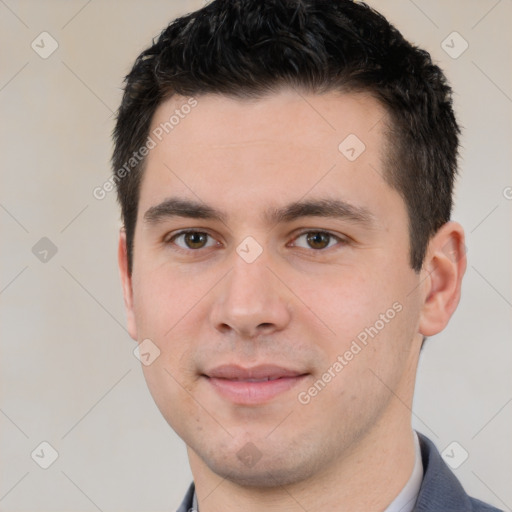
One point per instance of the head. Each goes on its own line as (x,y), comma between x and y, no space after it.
(313,155)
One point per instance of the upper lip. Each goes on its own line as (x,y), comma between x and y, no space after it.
(263,371)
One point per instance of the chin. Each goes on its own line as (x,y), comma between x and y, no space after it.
(270,471)
(262,477)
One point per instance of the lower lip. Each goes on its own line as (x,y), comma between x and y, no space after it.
(251,393)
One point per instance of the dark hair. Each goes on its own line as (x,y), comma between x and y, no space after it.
(250,48)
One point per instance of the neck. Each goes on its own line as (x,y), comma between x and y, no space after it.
(369,478)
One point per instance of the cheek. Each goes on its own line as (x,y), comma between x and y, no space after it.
(371,315)
(346,300)
(163,298)
(169,310)
(171,393)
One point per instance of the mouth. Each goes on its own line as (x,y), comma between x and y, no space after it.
(252,386)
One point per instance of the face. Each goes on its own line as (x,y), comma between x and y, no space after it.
(271,272)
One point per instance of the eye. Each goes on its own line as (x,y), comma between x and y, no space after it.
(192,240)
(317,240)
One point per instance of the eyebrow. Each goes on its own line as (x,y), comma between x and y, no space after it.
(174,207)
(327,208)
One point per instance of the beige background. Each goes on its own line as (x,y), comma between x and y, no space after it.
(68,375)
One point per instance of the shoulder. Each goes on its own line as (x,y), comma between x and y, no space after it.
(480,506)
(186,504)
(440,489)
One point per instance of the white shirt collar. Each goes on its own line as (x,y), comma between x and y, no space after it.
(405,501)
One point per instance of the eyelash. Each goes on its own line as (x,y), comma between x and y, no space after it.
(340,240)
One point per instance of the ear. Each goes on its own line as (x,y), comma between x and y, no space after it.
(443,269)
(126,281)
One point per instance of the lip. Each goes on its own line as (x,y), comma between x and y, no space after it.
(255,385)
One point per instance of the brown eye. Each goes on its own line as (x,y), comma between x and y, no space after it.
(195,240)
(318,240)
(192,240)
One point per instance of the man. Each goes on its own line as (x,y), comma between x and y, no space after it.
(285,172)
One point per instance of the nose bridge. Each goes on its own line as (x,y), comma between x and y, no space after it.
(249,281)
(251,299)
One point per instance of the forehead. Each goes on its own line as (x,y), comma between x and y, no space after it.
(311,120)
(242,153)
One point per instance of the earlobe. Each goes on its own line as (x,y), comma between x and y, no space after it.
(126,281)
(443,269)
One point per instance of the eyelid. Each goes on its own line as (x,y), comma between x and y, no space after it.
(170,237)
(341,239)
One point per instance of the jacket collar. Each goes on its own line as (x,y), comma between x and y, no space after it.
(440,489)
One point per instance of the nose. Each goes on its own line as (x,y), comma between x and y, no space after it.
(251,301)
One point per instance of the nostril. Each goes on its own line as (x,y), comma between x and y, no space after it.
(224,328)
